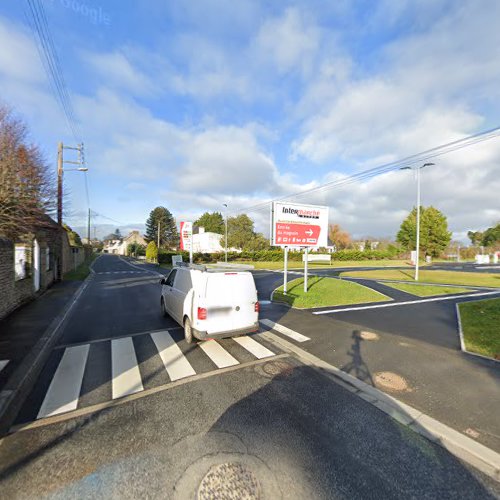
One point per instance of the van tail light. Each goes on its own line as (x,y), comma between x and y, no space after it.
(257,307)
(202,313)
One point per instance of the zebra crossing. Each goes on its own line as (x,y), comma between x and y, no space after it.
(122,272)
(102,370)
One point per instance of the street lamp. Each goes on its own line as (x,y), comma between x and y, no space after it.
(418,168)
(225,241)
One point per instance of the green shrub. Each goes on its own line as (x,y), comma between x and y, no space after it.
(151,252)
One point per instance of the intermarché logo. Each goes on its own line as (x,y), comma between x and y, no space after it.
(306,214)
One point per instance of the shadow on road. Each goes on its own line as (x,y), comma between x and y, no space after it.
(357,367)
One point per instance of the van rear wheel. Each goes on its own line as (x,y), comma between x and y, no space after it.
(188,331)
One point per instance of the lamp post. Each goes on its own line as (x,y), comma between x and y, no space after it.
(225,240)
(418,168)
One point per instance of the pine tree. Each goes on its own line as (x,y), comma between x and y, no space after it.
(169,236)
(434,234)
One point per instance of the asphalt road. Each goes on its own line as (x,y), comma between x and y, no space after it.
(283,428)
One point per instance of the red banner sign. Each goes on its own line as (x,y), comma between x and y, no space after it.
(297,234)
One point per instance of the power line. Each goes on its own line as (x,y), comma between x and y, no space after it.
(387,167)
(51,63)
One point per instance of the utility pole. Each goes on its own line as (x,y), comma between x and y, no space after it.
(88,229)
(157,260)
(418,224)
(59,182)
(225,241)
(60,172)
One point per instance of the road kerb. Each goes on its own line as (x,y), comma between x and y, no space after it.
(462,341)
(25,376)
(463,447)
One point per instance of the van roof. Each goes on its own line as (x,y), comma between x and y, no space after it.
(220,267)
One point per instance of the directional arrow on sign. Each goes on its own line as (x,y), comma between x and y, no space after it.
(309,233)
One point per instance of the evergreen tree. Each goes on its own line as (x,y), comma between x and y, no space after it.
(434,234)
(169,236)
(212,222)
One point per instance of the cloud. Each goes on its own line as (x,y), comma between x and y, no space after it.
(288,43)
(116,70)
(18,57)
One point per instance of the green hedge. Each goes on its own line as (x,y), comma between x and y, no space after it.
(165,257)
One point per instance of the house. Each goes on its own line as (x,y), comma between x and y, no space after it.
(113,247)
(207,242)
(29,265)
(120,247)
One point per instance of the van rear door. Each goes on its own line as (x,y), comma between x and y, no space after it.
(230,299)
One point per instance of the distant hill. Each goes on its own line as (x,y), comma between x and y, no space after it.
(102,230)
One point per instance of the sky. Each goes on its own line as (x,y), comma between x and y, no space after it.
(194,104)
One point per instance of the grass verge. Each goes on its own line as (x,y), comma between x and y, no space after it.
(326,292)
(427,276)
(312,265)
(426,290)
(82,271)
(481,326)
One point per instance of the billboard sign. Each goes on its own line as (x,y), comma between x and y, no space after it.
(186,235)
(298,225)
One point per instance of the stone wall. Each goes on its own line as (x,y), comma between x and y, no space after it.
(15,292)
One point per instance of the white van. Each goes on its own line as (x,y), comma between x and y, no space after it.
(211,302)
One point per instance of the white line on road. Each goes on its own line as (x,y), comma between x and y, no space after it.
(126,374)
(394,304)
(285,330)
(175,362)
(218,354)
(3,363)
(253,347)
(143,269)
(64,390)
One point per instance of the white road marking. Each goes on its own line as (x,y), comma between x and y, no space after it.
(285,331)
(253,347)
(175,362)
(125,372)
(3,363)
(64,390)
(394,304)
(218,354)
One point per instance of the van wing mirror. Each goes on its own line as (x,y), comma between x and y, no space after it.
(162,281)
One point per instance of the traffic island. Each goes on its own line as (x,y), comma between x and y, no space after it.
(479,328)
(421,290)
(324,292)
(430,277)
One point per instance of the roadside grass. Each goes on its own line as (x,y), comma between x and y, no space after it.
(426,290)
(345,263)
(326,292)
(481,326)
(82,271)
(427,276)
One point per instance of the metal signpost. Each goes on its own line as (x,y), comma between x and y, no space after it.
(294,225)
(187,238)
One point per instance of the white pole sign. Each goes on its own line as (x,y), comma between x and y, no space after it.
(187,238)
(297,225)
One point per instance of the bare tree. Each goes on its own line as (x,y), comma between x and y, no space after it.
(339,237)
(26,189)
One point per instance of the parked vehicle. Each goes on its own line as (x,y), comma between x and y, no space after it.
(211,302)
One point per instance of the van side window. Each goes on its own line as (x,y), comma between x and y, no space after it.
(170,279)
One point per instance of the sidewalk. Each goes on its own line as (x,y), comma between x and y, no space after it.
(456,389)
(21,330)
